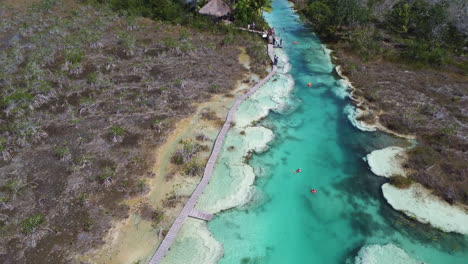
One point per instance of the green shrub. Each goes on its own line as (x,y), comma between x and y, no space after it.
(88,224)
(177,158)
(157,216)
(398,17)
(45,4)
(18,96)
(82,198)
(116,131)
(400,181)
(429,21)
(179,82)
(422,156)
(106,175)
(365,41)
(170,42)
(193,168)
(74,56)
(127,41)
(31,223)
(320,14)
(142,185)
(214,88)
(328,16)
(4,198)
(174,11)
(183,34)
(2,144)
(92,78)
(425,53)
(13,185)
(185,154)
(62,152)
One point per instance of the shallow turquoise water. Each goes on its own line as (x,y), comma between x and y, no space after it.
(288,224)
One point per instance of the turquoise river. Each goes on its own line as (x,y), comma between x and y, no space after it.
(279,220)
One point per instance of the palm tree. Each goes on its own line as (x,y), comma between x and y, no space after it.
(247,10)
(261,5)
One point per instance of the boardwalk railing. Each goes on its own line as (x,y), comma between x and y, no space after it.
(251,30)
(188,208)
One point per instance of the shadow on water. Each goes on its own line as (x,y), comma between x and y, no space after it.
(451,243)
(363,223)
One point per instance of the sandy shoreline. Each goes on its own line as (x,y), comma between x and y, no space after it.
(231,184)
(420,203)
(416,201)
(362,110)
(384,254)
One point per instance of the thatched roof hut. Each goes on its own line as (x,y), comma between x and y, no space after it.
(215,8)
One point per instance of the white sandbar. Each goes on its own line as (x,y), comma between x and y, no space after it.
(418,202)
(387,162)
(386,254)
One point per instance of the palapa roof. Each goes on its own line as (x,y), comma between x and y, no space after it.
(215,8)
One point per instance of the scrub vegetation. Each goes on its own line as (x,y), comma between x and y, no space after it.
(181,12)
(400,181)
(88,90)
(418,32)
(407,60)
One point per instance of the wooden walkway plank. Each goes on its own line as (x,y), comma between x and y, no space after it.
(188,208)
(251,30)
(201,215)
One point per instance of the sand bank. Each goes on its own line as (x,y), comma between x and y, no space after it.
(220,193)
(386,254)
(230,185)
(387,162)
(416,201)
(233,177)
(420,203)
(198,244)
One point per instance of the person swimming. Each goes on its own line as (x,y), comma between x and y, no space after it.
(313,190)
(298,170)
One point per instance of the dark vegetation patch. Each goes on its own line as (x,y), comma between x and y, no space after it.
(400,181)
(86,95)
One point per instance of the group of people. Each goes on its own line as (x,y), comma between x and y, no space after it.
(313,190)
(251,26)
(271,31)
(278,43)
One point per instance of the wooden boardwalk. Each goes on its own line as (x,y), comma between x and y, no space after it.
(189,206)
(200,215)
(251,30)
